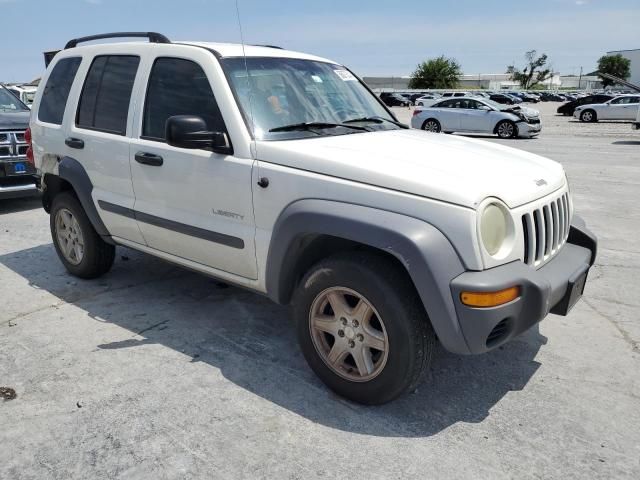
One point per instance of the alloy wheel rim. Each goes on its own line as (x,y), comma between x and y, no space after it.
(431,126)
(69,235)
(587,116)
(348,334)
(505,130)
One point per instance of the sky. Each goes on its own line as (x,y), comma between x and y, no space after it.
(373,37)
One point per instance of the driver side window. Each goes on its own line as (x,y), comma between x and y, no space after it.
(178,87)
(619,101)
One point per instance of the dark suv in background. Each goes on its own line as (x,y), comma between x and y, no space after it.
(394,99)
(17,172)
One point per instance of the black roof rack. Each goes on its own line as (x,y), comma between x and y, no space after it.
(152,36)
(269,46)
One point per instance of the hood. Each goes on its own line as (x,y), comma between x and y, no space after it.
(453,169)
(526,111)
(14,120)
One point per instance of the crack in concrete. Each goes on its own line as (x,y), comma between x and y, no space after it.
(89,297)
(635,346)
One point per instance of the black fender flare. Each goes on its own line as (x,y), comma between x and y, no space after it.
(426,254)
(72,171)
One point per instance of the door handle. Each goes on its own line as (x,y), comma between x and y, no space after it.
(74,143)
(149,159)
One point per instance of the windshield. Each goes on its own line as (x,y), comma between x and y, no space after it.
(9,103)
(287,92)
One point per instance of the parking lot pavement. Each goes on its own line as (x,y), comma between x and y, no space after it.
(156,372)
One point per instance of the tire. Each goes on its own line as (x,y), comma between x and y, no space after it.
(432,125)
(506,129)
(82,251)
(589,116)
(396,315)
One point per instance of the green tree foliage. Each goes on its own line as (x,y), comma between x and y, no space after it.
(438,72)
(615,65)
(533,73)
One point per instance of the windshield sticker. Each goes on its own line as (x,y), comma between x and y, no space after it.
(316,78)
(345,75)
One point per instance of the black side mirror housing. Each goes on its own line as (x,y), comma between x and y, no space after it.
(190,131)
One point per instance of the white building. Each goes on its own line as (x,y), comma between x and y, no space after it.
(634,56)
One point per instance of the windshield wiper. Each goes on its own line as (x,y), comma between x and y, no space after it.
(376,119)
(312,125)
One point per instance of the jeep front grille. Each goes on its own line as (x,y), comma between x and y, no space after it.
(12,144)
(546,229)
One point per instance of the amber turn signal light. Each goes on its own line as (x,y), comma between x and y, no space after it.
(489,299)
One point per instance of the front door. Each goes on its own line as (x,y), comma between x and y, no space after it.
(192,203)
(476,117)
(621,108)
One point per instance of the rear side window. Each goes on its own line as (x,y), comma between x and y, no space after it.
(56,91)
(178,87)
(104,103)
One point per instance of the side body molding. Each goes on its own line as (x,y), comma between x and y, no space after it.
(425,252)
(72,171)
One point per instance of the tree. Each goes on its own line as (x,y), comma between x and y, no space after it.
(533,73)
(615,65)
(441,72)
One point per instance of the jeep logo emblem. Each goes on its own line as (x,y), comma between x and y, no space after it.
(541,182)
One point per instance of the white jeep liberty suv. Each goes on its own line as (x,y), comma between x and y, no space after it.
(283,173)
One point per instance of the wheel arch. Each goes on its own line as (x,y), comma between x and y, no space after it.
(515,124)
(309,230)
(72,176)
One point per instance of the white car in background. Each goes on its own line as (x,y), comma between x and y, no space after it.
(622,107)
(477,115)
(26,93)
(427,99)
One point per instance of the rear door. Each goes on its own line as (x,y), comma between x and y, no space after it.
(98,137)
(447,115)
(191,203)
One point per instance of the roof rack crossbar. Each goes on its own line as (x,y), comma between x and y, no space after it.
(152,36)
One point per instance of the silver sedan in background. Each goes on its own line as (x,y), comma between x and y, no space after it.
(477,115)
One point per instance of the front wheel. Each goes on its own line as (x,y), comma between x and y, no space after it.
(588,116)
(362,327)
(507,129)
(80,248)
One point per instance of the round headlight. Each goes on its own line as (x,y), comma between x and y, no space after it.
(494,227)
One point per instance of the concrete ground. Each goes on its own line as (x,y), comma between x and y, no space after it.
(155,372)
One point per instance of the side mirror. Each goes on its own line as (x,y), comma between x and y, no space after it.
(190,131)
(485,108)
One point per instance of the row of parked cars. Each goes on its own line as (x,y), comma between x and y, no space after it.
(399,99)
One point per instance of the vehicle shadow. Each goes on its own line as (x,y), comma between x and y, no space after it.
(15,205)
(252,342)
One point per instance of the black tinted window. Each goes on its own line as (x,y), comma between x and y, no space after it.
(56,91)
(104,103)
(178,87)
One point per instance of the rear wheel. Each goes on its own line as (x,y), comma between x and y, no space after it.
(432,125)
(362,328)
(82,251)
(506,129)
(588,116)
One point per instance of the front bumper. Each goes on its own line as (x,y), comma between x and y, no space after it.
(529,129)
(553,288)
